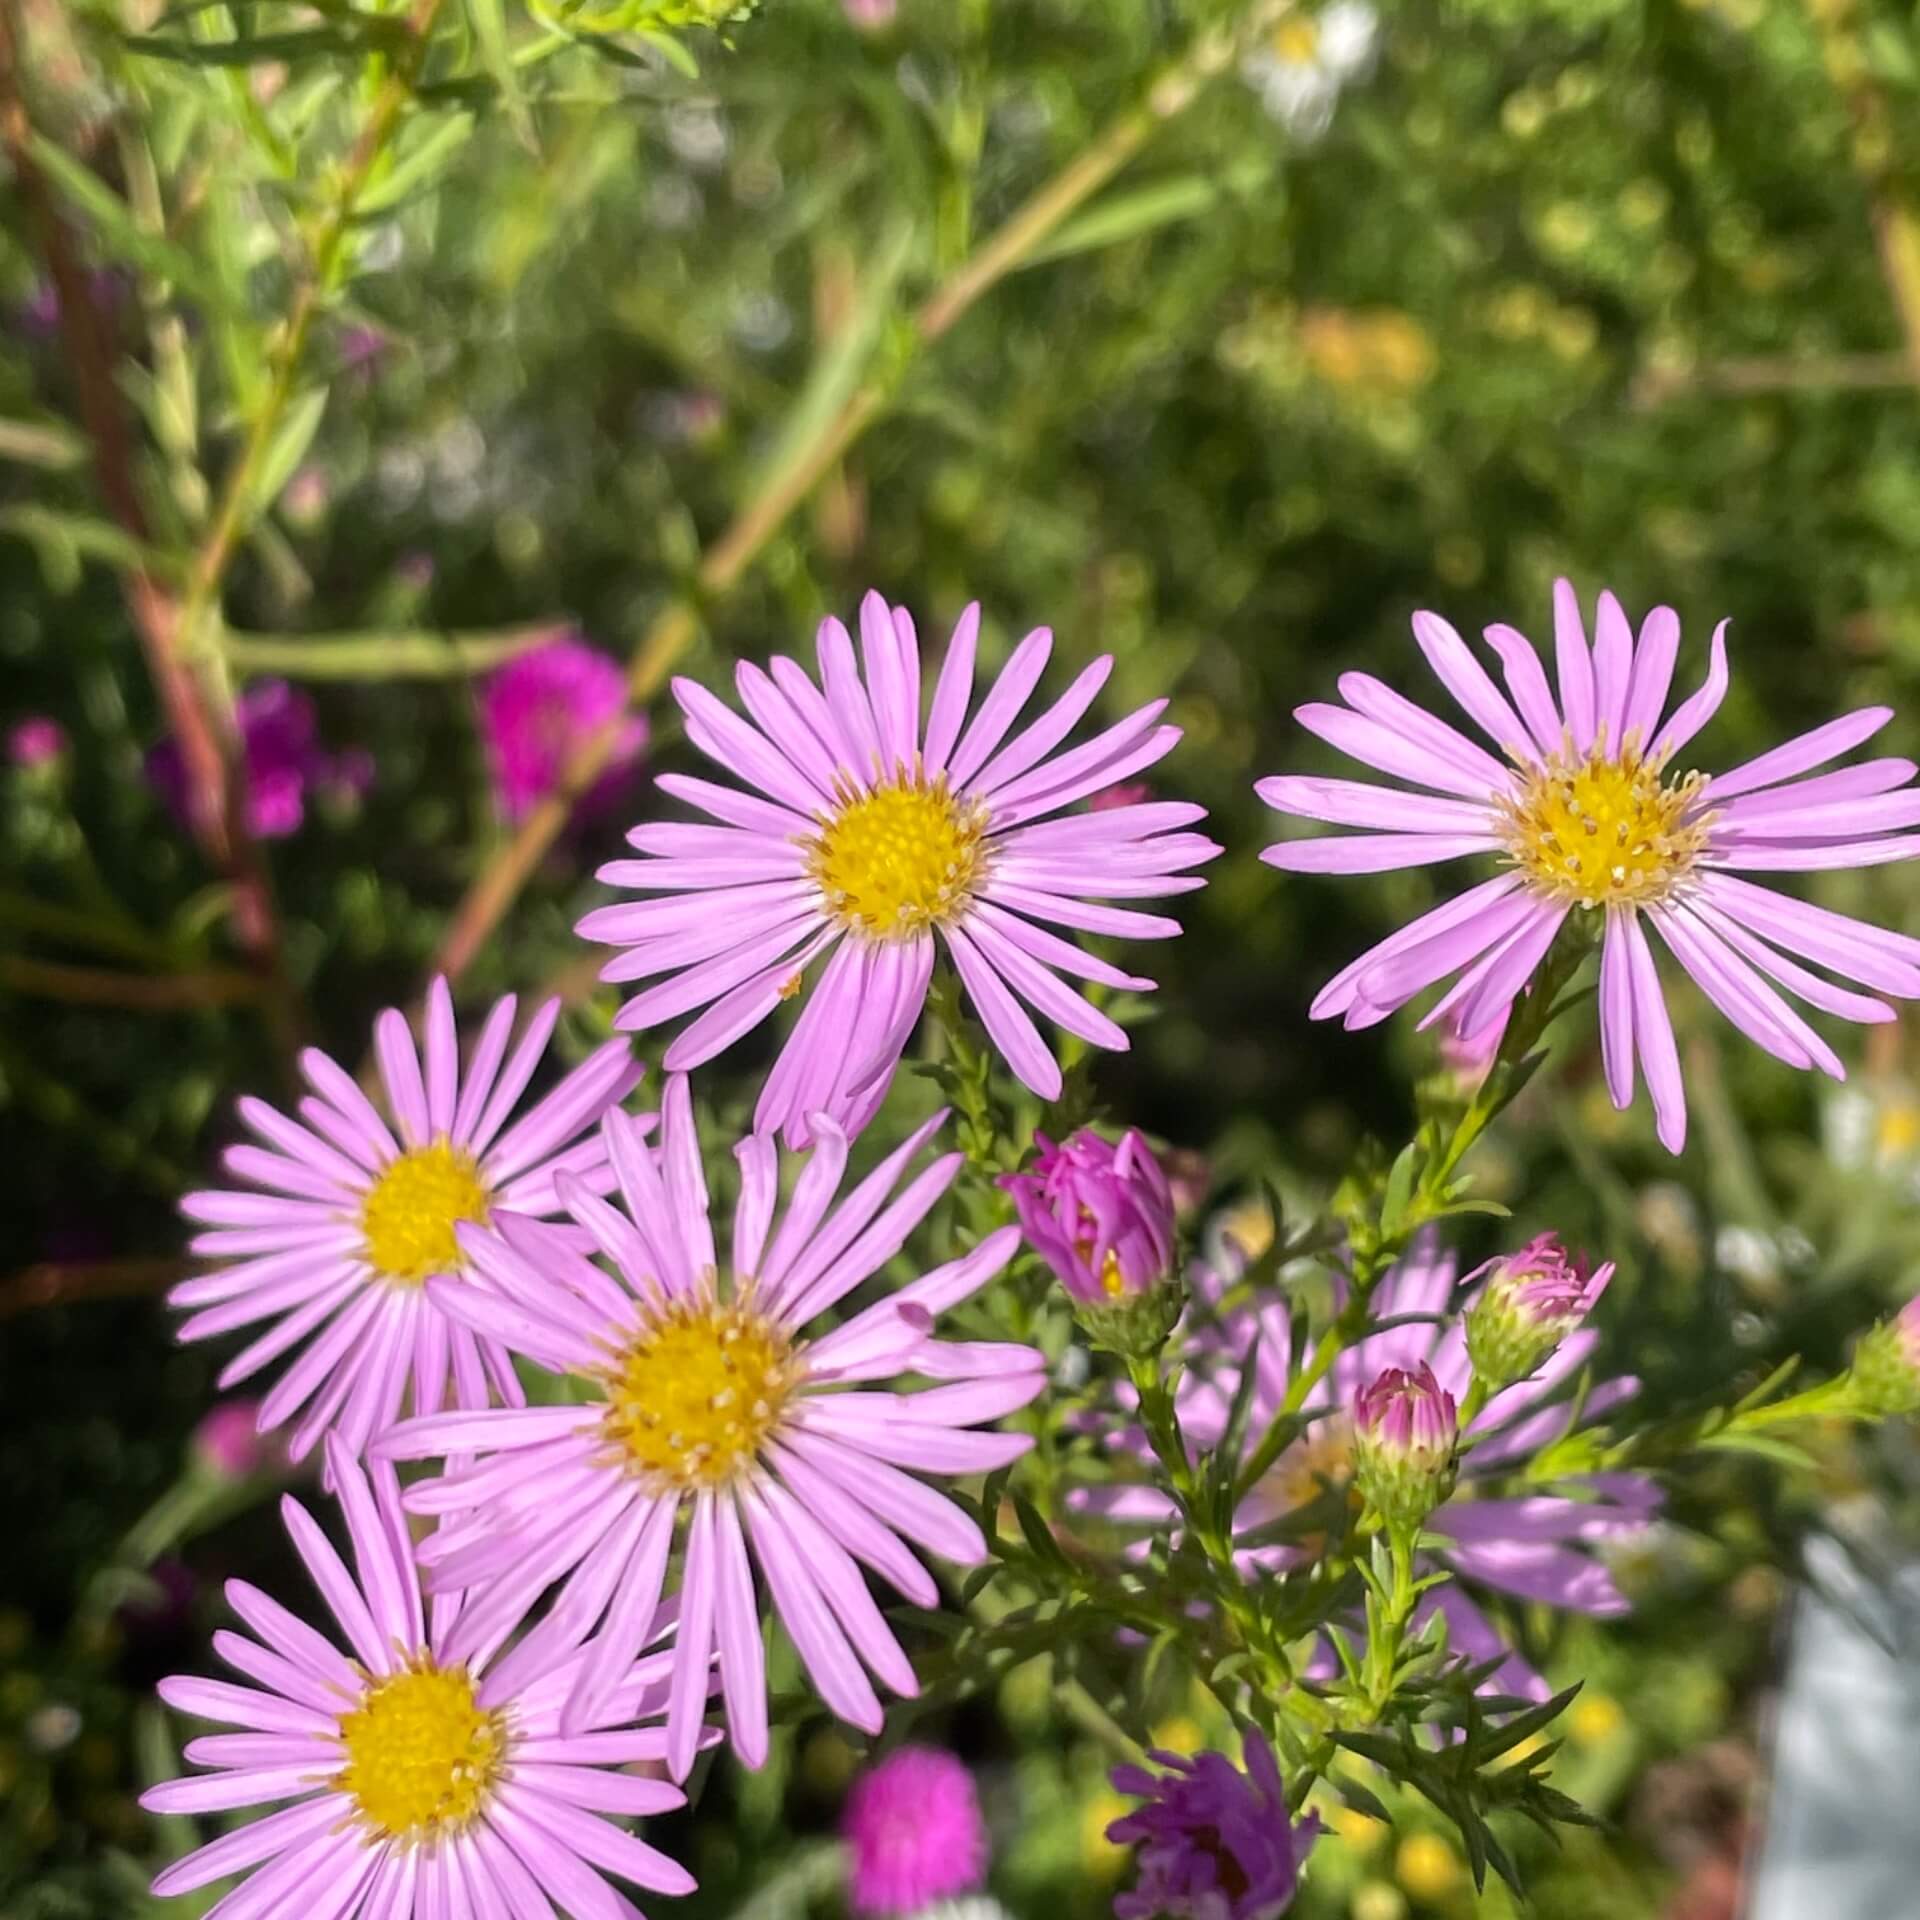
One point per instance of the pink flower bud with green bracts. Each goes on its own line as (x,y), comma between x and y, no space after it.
(1406,1432)
(1530,1302)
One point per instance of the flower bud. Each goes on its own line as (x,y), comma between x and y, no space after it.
(1406,1430)
(1101,1216)
(1886,1364)
(36,743)
(1531,1301)
(228,1443)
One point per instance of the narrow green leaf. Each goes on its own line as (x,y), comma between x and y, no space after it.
(114,226)
(1122,216)
(838,370)
(42,443)
(415,169)
(415,654)
(289,446)
(489,19)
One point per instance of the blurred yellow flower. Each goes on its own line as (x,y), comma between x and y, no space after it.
(1098,1855)
(1178,1734)
(1427,1867)
(1359,1830)
(1378,1901)
(1596,1717)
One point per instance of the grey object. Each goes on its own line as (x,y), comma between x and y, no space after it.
(1840,1839)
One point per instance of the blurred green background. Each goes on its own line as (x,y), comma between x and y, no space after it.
(1411,308)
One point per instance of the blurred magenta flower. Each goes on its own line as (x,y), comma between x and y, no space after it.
(35,742)
(1530,1301)
(885,829)
(39,313)
(914,1834)
(538,707)
(228,1443)
(1406,1427)
(280,733)
(1100,1215)
(871,15)
(1578,805)
(1215,1843)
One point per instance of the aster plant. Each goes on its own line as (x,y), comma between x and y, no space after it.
(1322,1475)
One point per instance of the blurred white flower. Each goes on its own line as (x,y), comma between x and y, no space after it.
(1302,69)
(674,202)
(761,322)
(697,134)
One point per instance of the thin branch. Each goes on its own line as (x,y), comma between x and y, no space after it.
(1896,228)
(1785,373)
(135,992)
(53,1283)
(209,745)
(724,564)
(232,515)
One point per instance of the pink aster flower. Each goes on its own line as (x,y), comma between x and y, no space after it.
(871,833)
(409,1782)
(1531,1545)
(703,1398)
(1581,806)
(914,1834)
(280,735)
(1215,1843)
(538,707)
(1100,1215)
(341,1224)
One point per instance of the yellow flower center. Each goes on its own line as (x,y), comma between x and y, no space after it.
(902,857)
(1296,41)
(1321,1457)
(698,1392)
(421,1755)
(1605,830)
(1112,1283)
(410,1212)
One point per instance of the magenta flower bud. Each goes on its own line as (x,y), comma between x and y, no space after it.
(1406,1431)
(1100,1215)
(1886,1363)
(228,1443)
(1529,1303)
(36,742)
(914,1834)
(1215,1843)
